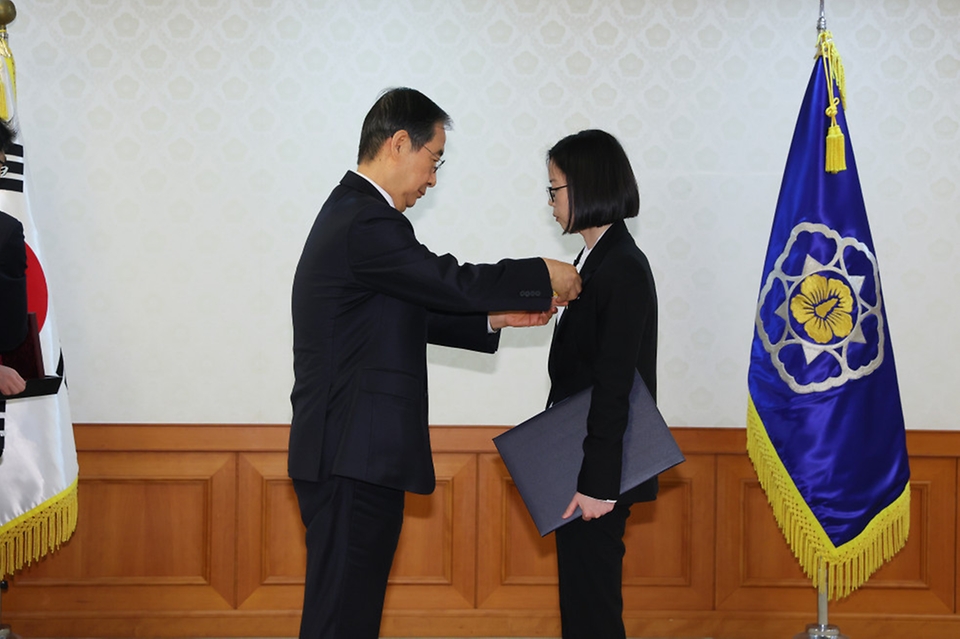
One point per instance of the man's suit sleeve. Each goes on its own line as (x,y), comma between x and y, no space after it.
(385,255)
(462,331)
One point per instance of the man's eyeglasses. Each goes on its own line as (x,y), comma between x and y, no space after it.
(552,192)
(438,161)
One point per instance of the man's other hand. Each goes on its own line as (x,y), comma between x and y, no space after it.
(521,319)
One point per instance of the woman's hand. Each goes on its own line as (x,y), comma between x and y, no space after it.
(592,508)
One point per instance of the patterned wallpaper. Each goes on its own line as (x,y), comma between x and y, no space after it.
(179,150)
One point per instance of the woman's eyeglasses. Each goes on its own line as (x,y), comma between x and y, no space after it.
(552,192)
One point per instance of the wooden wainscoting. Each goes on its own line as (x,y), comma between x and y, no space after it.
(194,531)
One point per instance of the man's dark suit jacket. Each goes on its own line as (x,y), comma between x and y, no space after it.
(601,337)
(367,298)
(13,283)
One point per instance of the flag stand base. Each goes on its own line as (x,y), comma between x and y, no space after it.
(818,631)
(6,633)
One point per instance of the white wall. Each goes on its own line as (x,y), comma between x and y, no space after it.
(179,150)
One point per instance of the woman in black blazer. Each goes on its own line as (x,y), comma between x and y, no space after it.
(600,339)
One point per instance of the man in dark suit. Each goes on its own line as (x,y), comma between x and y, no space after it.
(13,294)
(367,298)
(13,283)
(13,290)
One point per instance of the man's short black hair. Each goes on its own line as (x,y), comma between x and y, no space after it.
(400,109)
(601,186)
(7,134)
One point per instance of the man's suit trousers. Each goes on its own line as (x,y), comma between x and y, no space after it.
(352,532)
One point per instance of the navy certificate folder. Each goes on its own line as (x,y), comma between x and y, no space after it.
(544,453)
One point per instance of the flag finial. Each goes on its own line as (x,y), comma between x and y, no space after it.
(822,21)
(8,12)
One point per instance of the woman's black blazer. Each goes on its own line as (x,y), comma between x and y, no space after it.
(600,339)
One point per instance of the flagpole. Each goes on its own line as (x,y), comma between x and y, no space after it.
(8,13)
(822,597)
(822,629)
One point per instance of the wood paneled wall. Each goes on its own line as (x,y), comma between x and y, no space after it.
(194,531)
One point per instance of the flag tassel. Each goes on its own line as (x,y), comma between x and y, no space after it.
(836,154)
(836,159)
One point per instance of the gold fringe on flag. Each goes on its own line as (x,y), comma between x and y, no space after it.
(848,566)
(836,159)
(38,532)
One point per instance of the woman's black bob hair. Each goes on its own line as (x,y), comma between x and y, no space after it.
(601,186)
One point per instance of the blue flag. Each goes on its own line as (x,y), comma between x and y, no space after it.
(825,428)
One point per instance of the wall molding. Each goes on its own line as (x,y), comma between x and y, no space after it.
(193,530)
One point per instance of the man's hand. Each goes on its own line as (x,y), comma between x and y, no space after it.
(592,508)
(564,279)
(521,319)
(10,381)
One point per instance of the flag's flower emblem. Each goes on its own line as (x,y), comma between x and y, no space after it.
(820,314)
(823,306)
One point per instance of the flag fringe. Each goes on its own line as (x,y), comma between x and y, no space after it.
(38,532)
(847,567)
